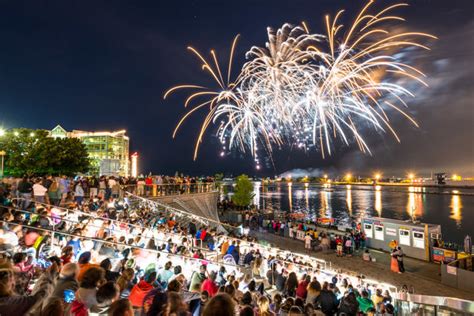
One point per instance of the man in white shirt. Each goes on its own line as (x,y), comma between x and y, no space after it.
(39,192)
(307,242)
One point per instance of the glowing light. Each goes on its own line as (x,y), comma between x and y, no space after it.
(32,134)
(378,188)
(455,191)
(377,176)
(16,134)
(378,202)
(2,132)
(134,163)
(456,207)
(456,177)
(303,90)
(411,176)
(348,177)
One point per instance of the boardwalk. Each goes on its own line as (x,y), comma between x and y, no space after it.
(424,277)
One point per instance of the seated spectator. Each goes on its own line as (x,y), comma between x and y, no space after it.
(86,295)
(12,304)
(210,285)
(141,289)
(220,305)
(67,280)
(365,303)
(84,264)
(121,307)
(366,255)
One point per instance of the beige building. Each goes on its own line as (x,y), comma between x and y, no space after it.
(109,151)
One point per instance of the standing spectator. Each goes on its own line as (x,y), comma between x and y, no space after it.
(400,255)
(64,187)
(25,189)
(94,187)
(79,193)
(54,194)
(39,191)
(307,242)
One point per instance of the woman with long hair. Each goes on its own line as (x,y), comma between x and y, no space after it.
(125,283)
(263,304)
(291,285)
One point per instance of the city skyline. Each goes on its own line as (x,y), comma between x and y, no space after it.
(109,71)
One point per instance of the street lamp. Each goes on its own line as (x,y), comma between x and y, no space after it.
(411,176)
(2,154)
(377,177)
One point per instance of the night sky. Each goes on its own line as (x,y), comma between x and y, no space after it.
(104,65)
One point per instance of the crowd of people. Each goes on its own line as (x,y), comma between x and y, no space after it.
(117,254)
(56,190)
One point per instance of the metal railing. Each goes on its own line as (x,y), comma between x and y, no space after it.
(410,304)
(157,190)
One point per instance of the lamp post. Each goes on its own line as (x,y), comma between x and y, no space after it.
(2,154)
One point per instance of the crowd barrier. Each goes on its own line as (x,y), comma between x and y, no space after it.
(157,190)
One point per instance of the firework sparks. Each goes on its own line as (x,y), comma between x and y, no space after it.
(306,90)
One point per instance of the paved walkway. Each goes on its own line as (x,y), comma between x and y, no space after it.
(423,276)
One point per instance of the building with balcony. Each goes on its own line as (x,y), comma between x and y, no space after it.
(109,151)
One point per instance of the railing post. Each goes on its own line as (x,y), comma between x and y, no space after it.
(154,189)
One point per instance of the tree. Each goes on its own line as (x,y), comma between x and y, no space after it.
(33,152)
(243,192)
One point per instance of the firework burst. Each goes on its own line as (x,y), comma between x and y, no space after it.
(306,90)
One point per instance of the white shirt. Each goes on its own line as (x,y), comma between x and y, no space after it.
(39,190)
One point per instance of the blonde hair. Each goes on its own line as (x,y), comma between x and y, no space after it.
(264,305)
(127,276)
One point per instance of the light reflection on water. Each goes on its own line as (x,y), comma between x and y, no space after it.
(455,213)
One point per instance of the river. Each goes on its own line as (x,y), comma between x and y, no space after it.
(453,211)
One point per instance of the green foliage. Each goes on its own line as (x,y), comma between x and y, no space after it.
(243,192)
(32,152)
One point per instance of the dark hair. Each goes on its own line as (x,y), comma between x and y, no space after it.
(252,286)
(168,265)
(106,264)
(247,298)
(91,277)
(220,305)
(230,289)
(292,281)
(174,286)
(119,307)
(107,292)
(177,269)
(18,257)
(150,278)
(246,311)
